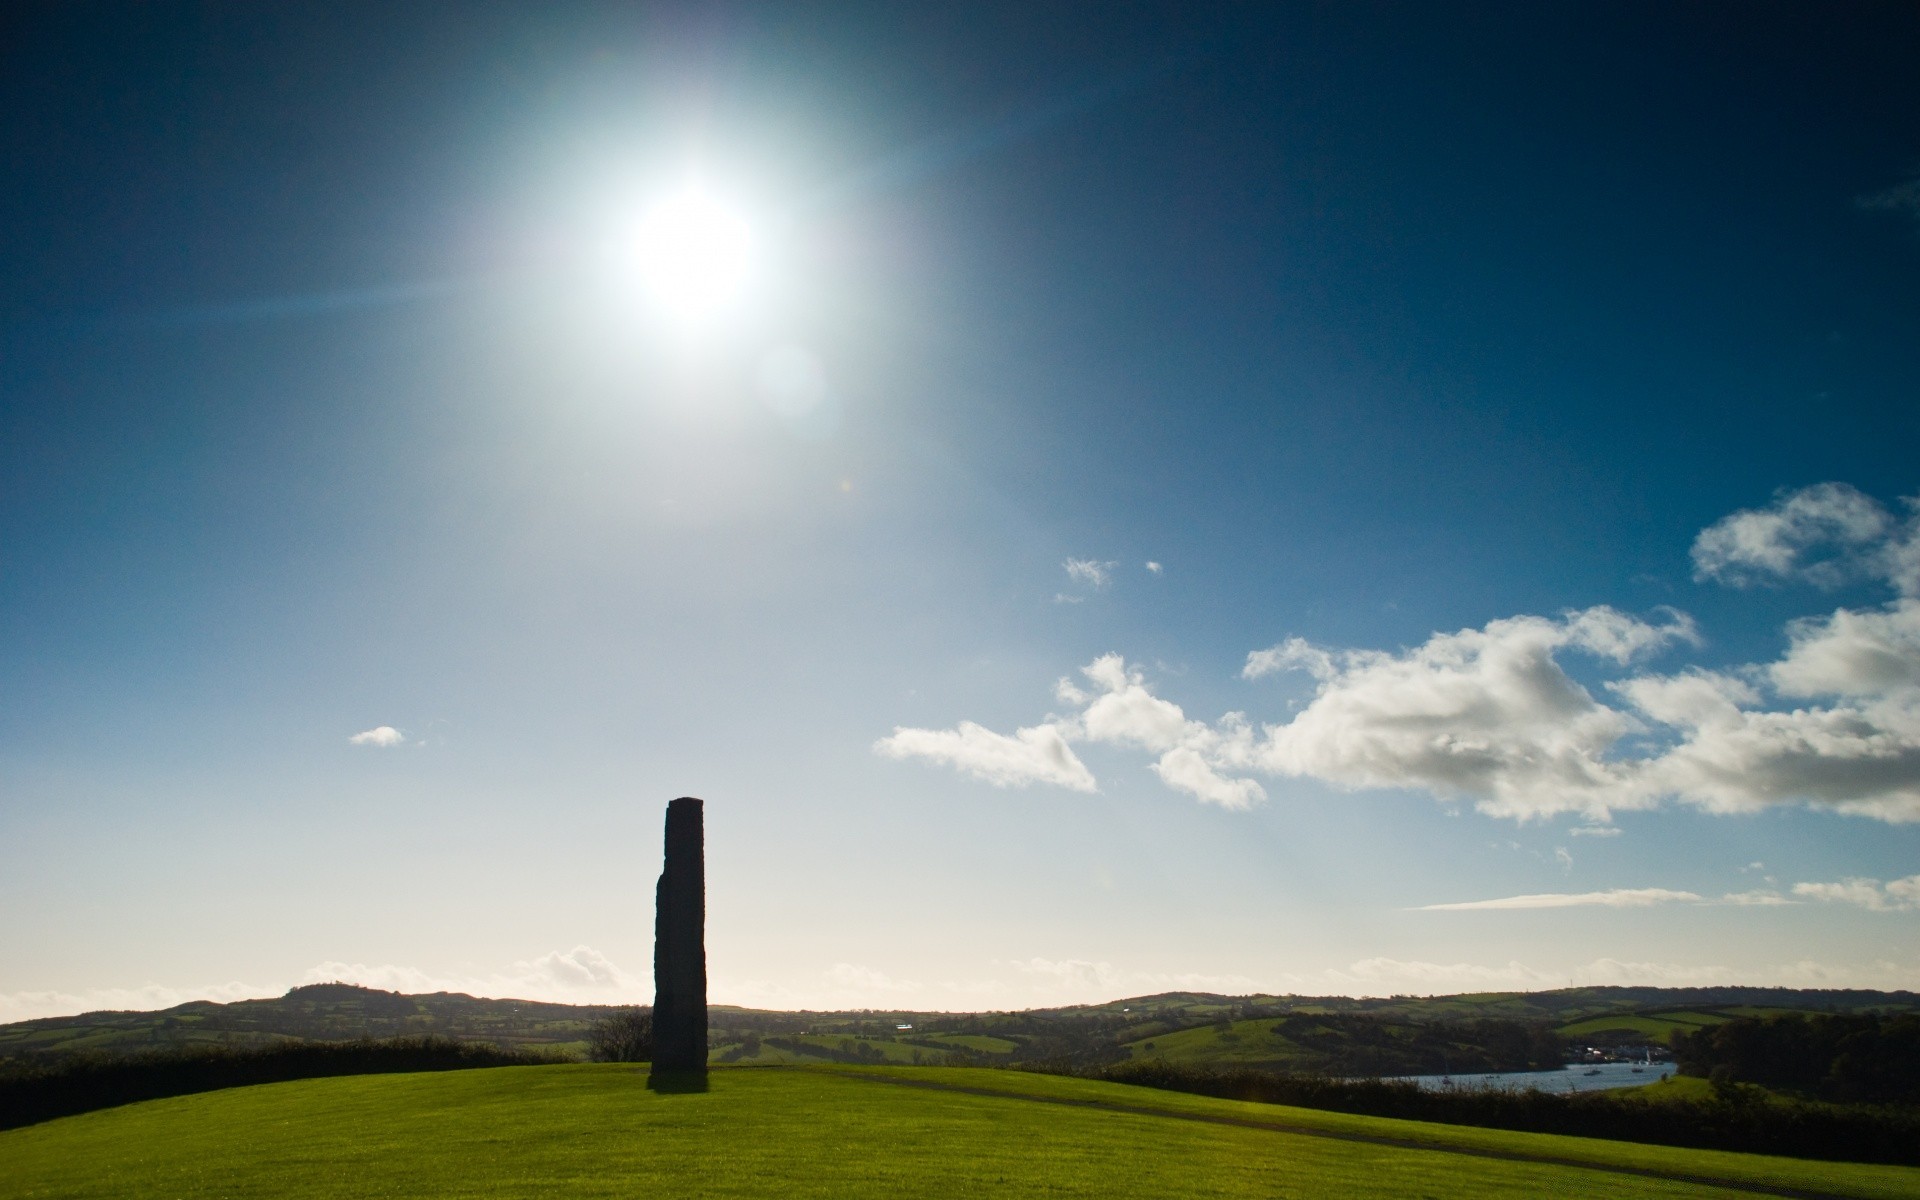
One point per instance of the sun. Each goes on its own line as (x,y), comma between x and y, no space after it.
(693,252)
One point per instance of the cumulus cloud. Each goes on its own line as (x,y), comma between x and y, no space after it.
(1860,757)
(1615,898)
(1155,567)
(1898,894)
(1117,709)
(380,735)
(1039,754)
(1192,757)
(1493,716)
(1824,534)
(1088,571)
(1852,653)
(1487,714)
(1294,654)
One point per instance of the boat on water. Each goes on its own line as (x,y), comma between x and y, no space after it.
(1595,1071)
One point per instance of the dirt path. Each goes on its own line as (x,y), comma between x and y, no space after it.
(1278,1126)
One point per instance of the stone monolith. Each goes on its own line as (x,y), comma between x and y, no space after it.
(680,944)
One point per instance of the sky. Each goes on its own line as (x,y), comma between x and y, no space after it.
(1099,500)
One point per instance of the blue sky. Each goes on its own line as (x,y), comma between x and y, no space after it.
(1508,412)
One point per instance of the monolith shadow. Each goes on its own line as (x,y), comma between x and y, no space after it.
(680,955)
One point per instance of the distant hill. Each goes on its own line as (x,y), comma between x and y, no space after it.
(317,1012)
(1336,1034)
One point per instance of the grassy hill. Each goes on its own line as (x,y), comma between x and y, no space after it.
(843,1132)
(1339,1034)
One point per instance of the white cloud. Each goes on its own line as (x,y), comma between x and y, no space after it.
(1294,654)
(1616,898)
(1491,715)
(1038,754)
(1192,755)
(1596,831)
(1861,758)
(1186,769)
(381,735)
(1119,711)
(1092,572)
(1486,714)
(1757,898)
(1897,895)
(1155,567)
(1824,534)
(581,975)
(580,967)
(1852,653)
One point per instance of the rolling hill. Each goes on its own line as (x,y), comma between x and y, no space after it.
(584,1130)
(1337,1034)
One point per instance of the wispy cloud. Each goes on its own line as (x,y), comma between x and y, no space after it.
(1595,831)
(1038,754)
(1901,198)
(1091,572)
(1155,567)
(1895,895)
(1616,898)
(1388,976)
(380,735)
(1759,898)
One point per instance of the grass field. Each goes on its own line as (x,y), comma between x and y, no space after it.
(597,1131)
(1246,1041)
(1661,1026)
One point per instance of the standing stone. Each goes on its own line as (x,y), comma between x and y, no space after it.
(680,944)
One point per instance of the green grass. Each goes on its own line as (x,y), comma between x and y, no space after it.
(975,1041)
(1654,1026)
(1661,1024)
(829,1044)
(1250,1041)
(592,1130)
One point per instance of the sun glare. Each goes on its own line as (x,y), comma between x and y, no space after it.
(694,253)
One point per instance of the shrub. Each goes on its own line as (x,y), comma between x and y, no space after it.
(626,1036)
(83,1083)
(1825,1131)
